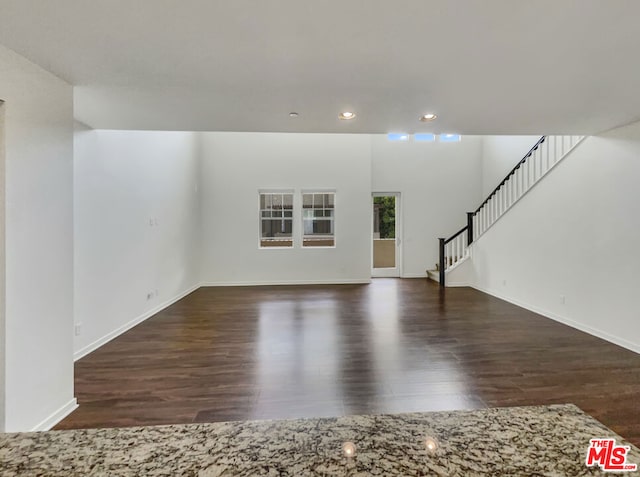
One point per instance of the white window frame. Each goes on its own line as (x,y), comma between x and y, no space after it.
(332,219)
(290,192)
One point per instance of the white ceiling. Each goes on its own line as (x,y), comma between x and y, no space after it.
(484,66)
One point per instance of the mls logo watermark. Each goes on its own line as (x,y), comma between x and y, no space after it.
(608,456)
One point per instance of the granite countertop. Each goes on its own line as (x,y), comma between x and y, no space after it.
(540,440)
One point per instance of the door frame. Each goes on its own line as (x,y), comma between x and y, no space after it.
(3,265)
(397,270)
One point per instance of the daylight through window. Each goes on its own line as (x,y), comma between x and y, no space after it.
(276,219)
(318,210)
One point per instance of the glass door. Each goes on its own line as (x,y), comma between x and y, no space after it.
(386,255)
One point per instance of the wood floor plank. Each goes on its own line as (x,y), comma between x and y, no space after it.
(231,353)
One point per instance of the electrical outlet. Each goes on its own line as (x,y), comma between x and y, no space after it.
(504,283)
(562,300)
(149,296)
(77,329)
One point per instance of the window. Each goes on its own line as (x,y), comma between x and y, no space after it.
(276,219)
(450,138)
(397,137)
(318,219)
(424,137)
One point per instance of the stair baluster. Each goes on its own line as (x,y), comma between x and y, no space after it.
(540,159)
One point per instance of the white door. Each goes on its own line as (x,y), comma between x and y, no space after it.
(386,257)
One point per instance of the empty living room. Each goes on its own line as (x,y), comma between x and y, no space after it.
(338,238)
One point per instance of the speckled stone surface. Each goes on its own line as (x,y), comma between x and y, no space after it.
(540,440)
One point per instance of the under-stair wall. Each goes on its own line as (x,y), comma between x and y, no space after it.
(545,154)
(570,248)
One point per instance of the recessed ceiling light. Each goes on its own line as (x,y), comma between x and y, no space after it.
(428,117)
(347,115)
(293,114)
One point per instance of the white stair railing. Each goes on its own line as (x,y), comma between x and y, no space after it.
(543,156)
(456,250)
(453,251)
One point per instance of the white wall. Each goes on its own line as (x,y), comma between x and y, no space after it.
(39,243)
(136,227)
(499,155)
(237,165)
(574,235)
(439,183)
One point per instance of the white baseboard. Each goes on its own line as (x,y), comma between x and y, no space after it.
(127,326)
(450,284)
(598,333)
(414,275)
(57,416)
(337,281)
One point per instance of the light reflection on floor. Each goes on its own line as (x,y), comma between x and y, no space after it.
(312,354)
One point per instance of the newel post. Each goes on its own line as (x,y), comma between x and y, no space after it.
(442,264)
(470,227)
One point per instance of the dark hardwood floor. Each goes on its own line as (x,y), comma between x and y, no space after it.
(312,351)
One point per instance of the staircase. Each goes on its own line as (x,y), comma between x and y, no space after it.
(541,158)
